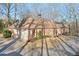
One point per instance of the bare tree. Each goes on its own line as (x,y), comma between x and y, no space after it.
(6,10)
(15,11)
(72,11)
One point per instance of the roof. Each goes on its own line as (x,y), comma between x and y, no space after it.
(39,23)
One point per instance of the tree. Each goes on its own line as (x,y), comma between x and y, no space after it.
(1,25)
(15,11)
(72,10)
(6,11)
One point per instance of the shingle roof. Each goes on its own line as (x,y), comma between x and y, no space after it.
(38,22)
(48,24)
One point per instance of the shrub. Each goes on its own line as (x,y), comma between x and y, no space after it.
(7,33)
(41,36)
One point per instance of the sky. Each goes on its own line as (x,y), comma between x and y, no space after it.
(46,8)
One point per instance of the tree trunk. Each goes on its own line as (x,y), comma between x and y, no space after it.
(69,30)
